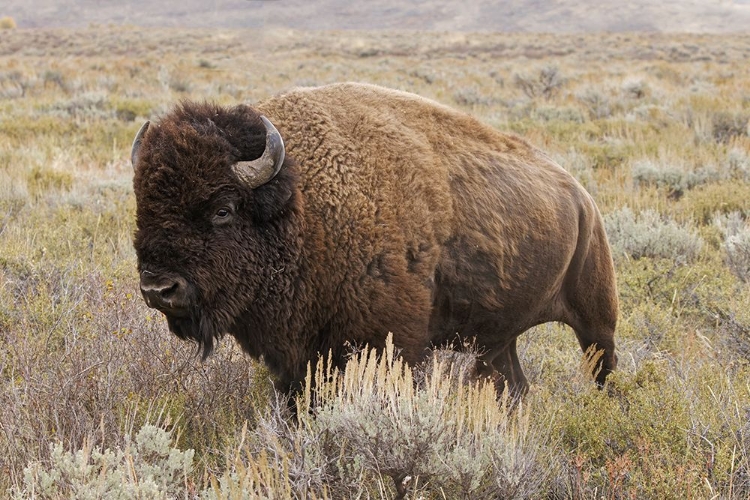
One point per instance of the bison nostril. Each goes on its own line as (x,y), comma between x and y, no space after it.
(168,294)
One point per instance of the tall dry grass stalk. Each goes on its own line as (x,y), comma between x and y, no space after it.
(371,431)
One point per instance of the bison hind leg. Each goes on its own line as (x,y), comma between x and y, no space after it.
(591,305)
(598,345)
(504,369)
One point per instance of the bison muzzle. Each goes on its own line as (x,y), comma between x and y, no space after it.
(328,217)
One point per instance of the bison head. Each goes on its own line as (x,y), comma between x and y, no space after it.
(213,195)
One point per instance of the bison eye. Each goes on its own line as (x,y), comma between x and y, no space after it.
(223,215)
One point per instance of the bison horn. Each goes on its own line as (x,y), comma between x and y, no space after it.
(257,172)
(137,143)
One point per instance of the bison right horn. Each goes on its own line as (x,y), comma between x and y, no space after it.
(257,172)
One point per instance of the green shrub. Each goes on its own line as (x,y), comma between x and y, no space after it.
(40,180)
(129,109)
(705,202)
(606,154)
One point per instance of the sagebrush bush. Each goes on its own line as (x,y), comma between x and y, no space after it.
(554,113)
(144,466)
(730,224)
(635,88)
(471,97)
(728,125)
(674,180)
(546,83)
(736,244)
(596,102)
(85,106)
(374,431)
(648,234)
(15,84)
(738,163)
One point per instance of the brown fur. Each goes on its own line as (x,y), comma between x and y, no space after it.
(392,213)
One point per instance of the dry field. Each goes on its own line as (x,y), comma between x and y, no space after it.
(99,401)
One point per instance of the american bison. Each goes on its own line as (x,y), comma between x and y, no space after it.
(328,217)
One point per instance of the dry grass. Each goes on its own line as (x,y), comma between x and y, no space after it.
(656,127)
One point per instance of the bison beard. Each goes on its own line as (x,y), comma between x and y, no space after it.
(368,211)
(196,328)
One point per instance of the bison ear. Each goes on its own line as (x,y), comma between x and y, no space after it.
(137,143)
(255,173)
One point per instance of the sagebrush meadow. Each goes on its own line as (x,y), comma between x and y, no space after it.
(98,399)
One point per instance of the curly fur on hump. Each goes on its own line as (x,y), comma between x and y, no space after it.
(391,213)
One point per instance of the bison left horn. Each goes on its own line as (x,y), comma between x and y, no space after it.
(257,172)
(137,143)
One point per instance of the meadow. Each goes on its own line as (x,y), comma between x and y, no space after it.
(98,400)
